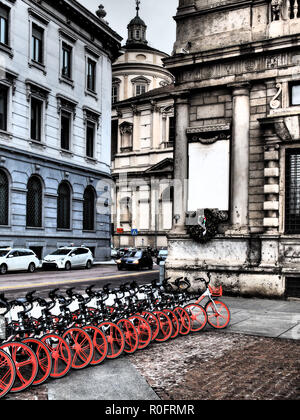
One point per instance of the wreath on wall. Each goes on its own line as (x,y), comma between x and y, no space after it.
(204,225)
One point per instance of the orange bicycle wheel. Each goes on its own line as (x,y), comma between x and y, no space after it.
(218,314)
(130,334)
(197,316)
(184,321)
(165,324)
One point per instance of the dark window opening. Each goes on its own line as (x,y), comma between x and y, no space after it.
(37,44)
(114,138)
(171,129)
(90,139)
(65,130)
(115,94)
(91,75)
(4,197)
(3,108)
(4,22)
(66,61)
(292,192)
(36,119)
(89,209)
(140,89)
(34,202)
(64,206)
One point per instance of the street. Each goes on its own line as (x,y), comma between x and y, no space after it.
(18,284)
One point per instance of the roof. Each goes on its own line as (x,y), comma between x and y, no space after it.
(164,90)
(137,21)
(139,46)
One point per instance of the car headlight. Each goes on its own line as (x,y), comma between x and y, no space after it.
(119,262)
(136,262)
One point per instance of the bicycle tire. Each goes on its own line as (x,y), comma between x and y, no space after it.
(165,324)
(184,320)
(222,318)
(60,353)
(198,316)
(99,343)
(130,334)
(43,357)
(175,322)
(153,322)
(7,373)
(25,362)
(81,346)
(144,330)
(115,339)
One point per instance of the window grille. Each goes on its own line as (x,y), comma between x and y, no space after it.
(34,202)
(89,209)
(4,197)
(292,192)
(64,206)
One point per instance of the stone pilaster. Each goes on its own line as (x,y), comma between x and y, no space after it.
(240,157)
(181,163)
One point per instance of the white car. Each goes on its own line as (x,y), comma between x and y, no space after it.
(69,257)
(18,260)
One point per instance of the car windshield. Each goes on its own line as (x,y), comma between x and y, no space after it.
(163,252)
(136,254)
(61,252)
(3,253)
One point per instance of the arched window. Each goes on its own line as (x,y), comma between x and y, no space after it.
(4,197)
(89,209)
(34,202)
(64,206)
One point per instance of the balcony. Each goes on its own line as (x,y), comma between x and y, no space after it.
(285,17)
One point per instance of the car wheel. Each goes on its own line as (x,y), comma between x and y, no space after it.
(3,269)
(89,265)
(31,268)
(68,266)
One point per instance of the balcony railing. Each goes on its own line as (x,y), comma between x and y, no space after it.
(285,9)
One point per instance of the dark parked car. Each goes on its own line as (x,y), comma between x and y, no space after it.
(136,259)
(162,255)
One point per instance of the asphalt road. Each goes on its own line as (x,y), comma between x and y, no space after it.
(16,285)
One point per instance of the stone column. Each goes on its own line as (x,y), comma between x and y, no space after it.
(180,163)
(240,157)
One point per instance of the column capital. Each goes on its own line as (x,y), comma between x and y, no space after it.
(181,97)
(240,88)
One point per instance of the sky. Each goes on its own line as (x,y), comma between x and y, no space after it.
(157,14)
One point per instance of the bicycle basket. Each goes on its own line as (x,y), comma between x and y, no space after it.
(216,291)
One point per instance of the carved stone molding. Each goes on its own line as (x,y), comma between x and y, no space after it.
(209,134)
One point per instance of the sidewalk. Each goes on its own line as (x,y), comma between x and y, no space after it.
(256,323)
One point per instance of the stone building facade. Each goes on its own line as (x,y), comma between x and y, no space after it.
(142,143)
(237,146)
(55,116)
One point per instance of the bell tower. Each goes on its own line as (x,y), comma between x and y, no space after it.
(137,29)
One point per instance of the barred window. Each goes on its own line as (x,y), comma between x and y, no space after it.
(64,206)
(89,209)
(4,197)
(292,191)
(34,202)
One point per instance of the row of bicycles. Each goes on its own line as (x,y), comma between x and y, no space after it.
(45,338)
